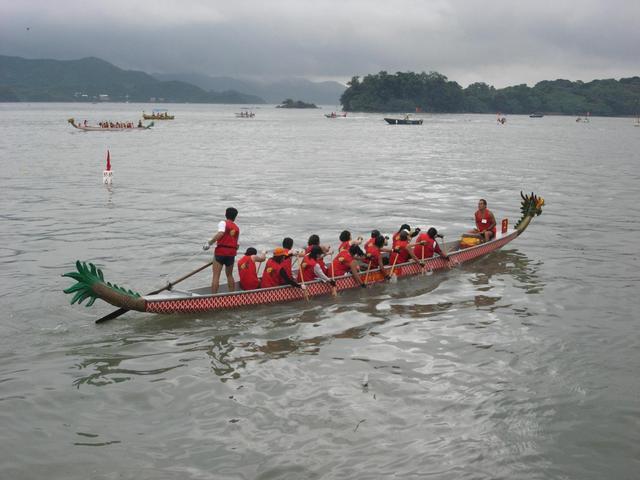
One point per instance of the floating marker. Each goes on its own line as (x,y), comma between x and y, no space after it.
(107,175)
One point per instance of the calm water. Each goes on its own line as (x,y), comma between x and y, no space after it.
(521,365)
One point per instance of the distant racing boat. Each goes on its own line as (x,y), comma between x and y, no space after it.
(119,128)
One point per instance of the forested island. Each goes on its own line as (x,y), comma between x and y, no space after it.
(433,92)
(289,103)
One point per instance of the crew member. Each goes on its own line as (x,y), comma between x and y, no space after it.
(426,245)
(226,240)
(374,255)
(310,269)
(346,242)
(374,234)
(400,252)
(404,226)
(314,240)
(274,273)
(347,261)
(287,245)
(247,269)
(485,221)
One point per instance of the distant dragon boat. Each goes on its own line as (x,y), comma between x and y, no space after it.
(98,128)
(158,114)
(90,283)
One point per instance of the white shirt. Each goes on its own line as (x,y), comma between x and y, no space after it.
(222,226)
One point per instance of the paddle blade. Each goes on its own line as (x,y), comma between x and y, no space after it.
(112,315)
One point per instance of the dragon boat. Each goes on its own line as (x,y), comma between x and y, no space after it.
(90,283)
(158,115)
(98,128)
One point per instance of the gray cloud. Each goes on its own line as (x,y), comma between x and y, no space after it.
(500,42)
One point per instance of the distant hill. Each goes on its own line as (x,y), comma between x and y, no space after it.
(91,79)
(433,92)
(323,93)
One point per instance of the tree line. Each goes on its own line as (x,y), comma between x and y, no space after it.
(434,92)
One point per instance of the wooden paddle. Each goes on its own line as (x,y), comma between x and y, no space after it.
(169,286)
(304,287)
(334,290)
(394,277)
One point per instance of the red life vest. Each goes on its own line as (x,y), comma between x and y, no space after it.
(403,254)
(373,256)
(395,239)
(368,243)
(271,276)
(426,250)
(227,246)
(248,274)
(319,261)
(342,264)
(344,245)
(483,221)
(306,269)
(286,264)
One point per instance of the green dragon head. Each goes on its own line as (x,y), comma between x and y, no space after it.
(90,284)
(531,206)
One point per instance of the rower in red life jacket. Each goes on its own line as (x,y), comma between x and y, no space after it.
(374,255)
(346,242)
(314,240)
(287,244)
(485,221)
(404,226)
(247,269)
(310,269)
(426,245)
(374,234)
(401,252)
(226,240)
(274,272)
(347,262)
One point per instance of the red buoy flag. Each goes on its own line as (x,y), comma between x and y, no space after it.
(108,161)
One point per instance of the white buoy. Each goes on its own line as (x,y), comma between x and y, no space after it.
(107,175)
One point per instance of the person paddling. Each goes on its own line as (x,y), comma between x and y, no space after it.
(374,255)
(310,269)
(274,272)
(400,252)
(346,242)
(407,228)
(347,262)
(426,245)
(247,268)
(314,240)
(374,234)
(287,245)
(226,240)
(485,221)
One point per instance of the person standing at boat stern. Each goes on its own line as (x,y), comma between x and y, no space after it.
(485,221)
(226,240)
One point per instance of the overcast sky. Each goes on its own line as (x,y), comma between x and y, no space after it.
(500,42)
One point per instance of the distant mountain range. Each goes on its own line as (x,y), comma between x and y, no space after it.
(323,93)
(92,79)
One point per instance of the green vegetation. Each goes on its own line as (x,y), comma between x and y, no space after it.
(289,103)
(433,92)
(92,79)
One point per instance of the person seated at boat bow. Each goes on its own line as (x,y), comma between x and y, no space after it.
(247,268)
(426,245)
(310,268)
(485,221)
(347,261)
(401,252)
(274,272)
